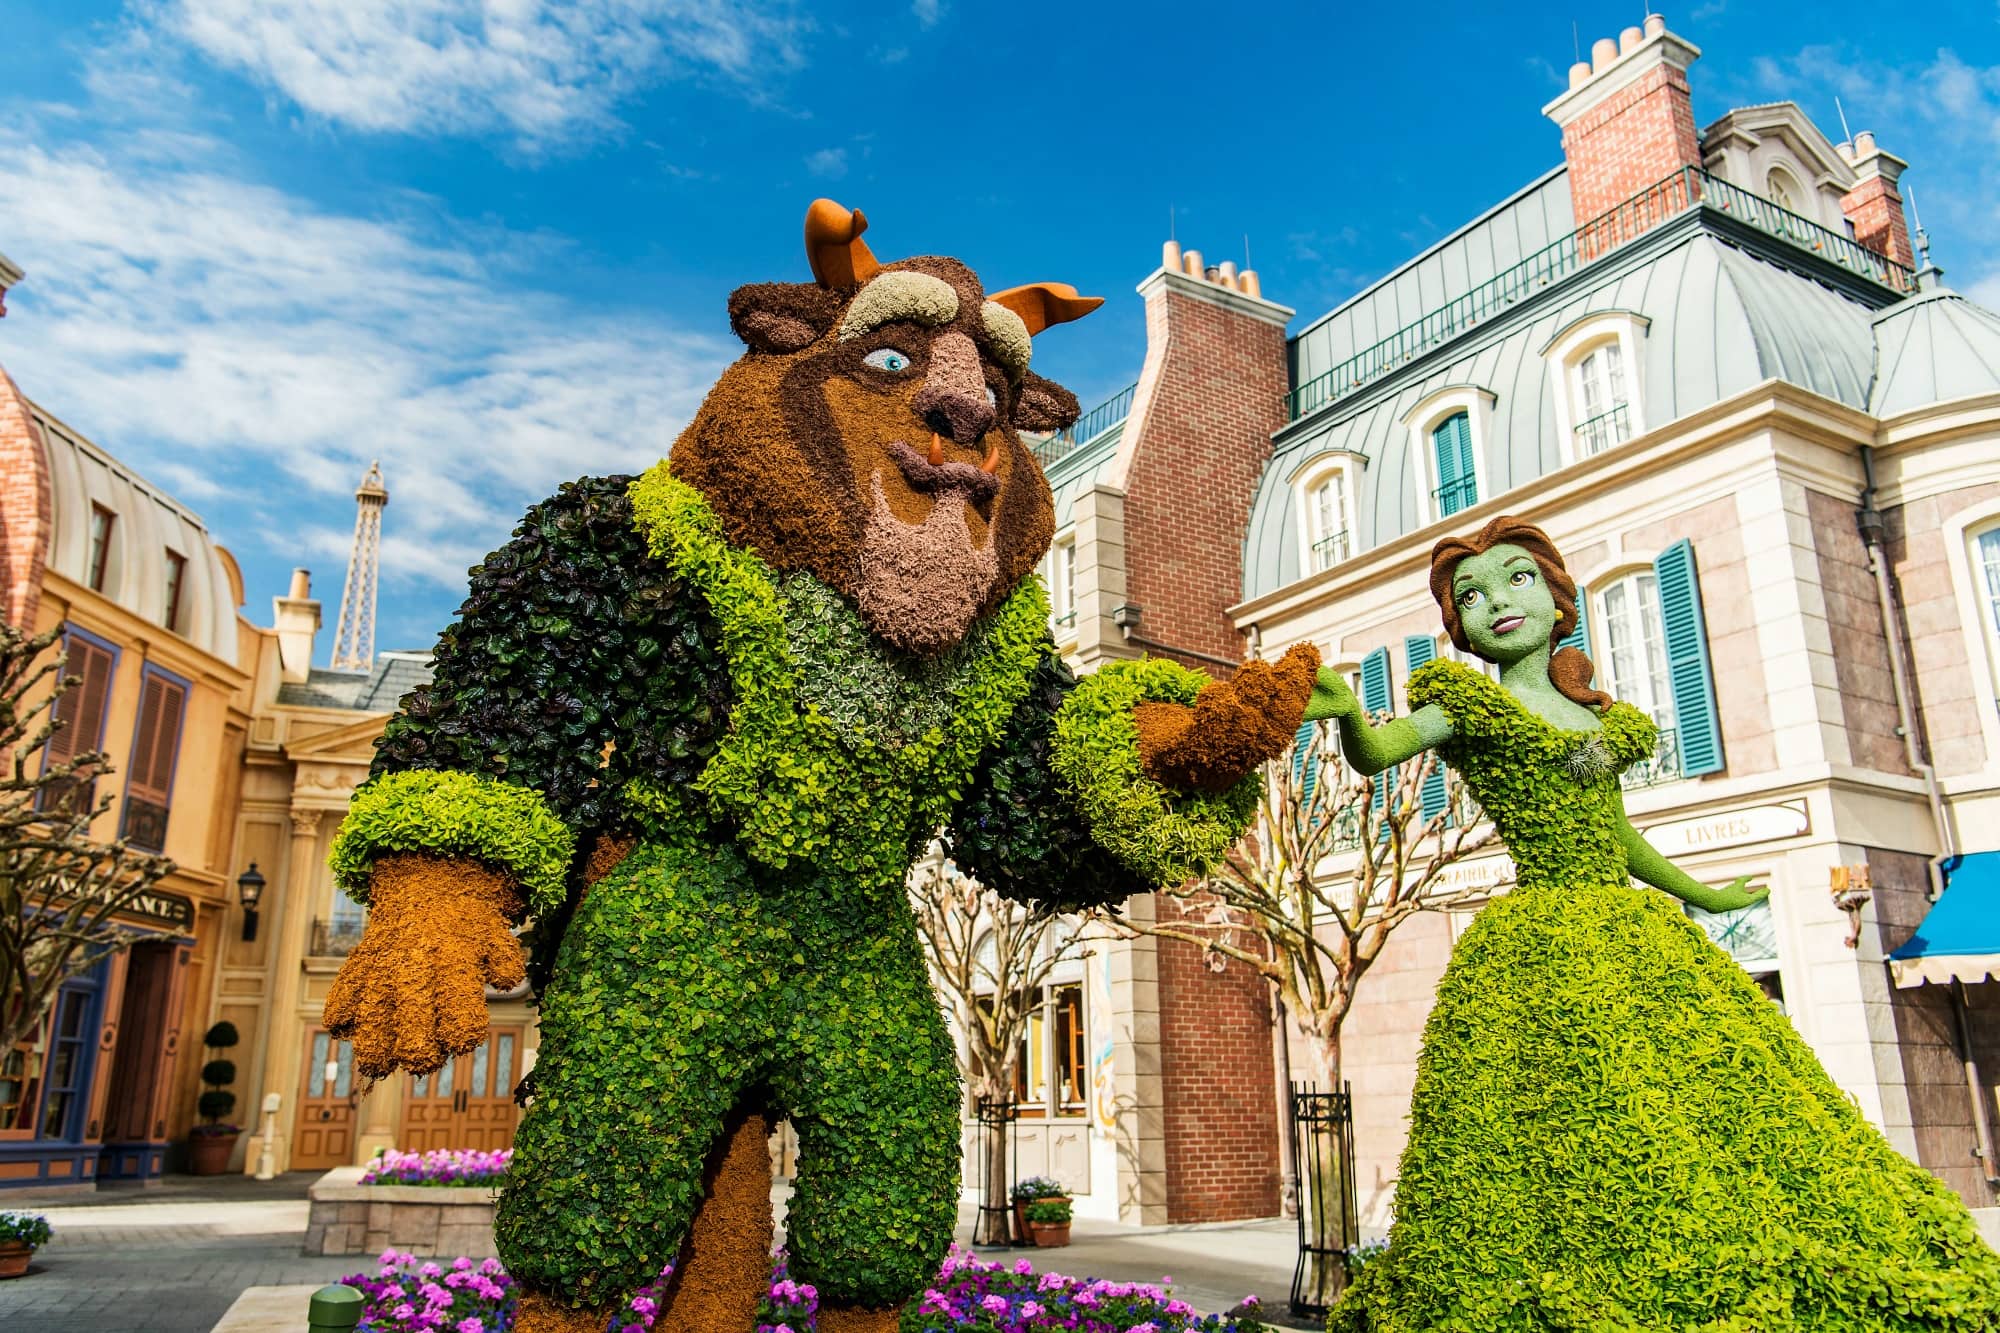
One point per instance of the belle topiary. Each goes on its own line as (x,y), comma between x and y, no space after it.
(1612,1129)
(695,725)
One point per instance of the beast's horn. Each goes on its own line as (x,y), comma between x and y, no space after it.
(1040,304)
(839,257)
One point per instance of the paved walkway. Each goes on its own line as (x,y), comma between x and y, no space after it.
(173,1258)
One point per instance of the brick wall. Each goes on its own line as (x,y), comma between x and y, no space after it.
(1218,1086)
(25,522)
(1206,433)
(1634,138)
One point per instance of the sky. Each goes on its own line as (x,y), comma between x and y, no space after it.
(490,242)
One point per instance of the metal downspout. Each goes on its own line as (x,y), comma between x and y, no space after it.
(1869,520)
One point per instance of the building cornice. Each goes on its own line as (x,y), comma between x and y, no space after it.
(1199,289)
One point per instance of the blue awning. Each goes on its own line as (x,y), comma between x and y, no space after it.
(1959,938)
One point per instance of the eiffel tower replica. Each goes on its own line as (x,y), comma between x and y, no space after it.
(354,634)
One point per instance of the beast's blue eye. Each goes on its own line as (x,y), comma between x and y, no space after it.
(887,359)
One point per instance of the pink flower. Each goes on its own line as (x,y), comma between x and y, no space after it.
(471,1325)
(995,1304)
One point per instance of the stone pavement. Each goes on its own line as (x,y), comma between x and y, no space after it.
(175,1257)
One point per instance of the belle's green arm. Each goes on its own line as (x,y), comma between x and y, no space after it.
(1369,748)
(1646,863)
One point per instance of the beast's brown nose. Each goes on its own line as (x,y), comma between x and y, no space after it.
(953,400)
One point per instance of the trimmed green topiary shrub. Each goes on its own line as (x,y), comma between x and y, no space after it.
(219,1072)
(455,814)
(221,1036)
(1165,838)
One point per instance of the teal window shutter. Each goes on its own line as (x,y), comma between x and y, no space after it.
(1305,766)
(1421,648)
(1375,699)
(1579,638)
(1693,680)
(1451,444)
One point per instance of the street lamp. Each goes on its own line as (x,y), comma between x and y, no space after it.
(249,889)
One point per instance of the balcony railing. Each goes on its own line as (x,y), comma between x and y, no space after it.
(1330,551)
(334,939)
(1063,621)
(1087,428)
(1602,431)
(1664,766)
(1685,189)
(1456,495)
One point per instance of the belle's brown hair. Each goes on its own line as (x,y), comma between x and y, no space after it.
(1570,669)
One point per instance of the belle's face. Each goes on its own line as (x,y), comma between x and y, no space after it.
(1504,604)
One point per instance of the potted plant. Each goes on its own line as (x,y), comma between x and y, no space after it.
(1048,1223)
(1034,1189)
(211,1143)
(21,1234)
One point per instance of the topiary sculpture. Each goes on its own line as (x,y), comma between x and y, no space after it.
(697,724)
(1612,1129)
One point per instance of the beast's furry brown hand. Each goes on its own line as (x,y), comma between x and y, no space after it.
(1233,726)
(413,992)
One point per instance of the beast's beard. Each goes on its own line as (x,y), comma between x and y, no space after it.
(923,585)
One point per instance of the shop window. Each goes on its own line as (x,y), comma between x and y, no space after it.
(66,1084)
(102,521)
(1750,936)
(1052,1075)
(149,782)
(20,1084)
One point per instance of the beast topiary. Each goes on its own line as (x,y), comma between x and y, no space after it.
(695,725)
(1612,1129)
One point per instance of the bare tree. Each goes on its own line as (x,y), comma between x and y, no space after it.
(60,890)
(991,959)
(1333,862)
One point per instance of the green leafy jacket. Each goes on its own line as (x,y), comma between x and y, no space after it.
(618,668)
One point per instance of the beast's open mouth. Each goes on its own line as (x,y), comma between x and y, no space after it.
(936,478)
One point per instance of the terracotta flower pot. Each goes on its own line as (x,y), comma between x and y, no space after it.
(14,1256)
(208,1154)
(1050,1235)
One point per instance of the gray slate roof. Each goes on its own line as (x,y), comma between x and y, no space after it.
(379,691)
(1079,470)
(1931,349)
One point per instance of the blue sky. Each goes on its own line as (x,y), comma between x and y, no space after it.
(490,241)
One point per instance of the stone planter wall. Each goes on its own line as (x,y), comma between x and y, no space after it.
(432,1221)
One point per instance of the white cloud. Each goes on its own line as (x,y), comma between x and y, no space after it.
(927,12)
(541,70)
(201,326)
(828,163)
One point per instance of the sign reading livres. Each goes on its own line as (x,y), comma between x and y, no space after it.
(1732,828)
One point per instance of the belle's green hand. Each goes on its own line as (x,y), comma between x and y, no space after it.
(1738,894)
(1331,698)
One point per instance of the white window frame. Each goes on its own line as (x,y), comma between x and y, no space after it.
(1564,354)
(1306,482)
(1962,532)
(1060,579)
(1597,630)
(1430,412)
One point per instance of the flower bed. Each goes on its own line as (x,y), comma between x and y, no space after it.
(446,1167)
(970,1296)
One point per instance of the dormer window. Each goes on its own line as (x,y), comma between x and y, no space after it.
(1594,368)
(1449,430)
(1781,190)
(1326,492)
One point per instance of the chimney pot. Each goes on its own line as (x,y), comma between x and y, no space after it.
(1846,150)
(1655,24)
(1212,274)
(1579,74)
(1191,263)
(1864,143)
(1247,280)
(1170,255)
(1602,52)
(1227,268)
(301,584)
(1629,40)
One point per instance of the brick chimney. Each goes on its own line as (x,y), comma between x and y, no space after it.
(1627,120)
(26,521)
(1875,206)
(10,274)
(1210,395)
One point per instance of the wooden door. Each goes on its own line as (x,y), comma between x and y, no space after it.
(470,1102)
(323,1133)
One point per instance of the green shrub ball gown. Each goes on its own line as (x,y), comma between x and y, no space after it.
(1613,1128)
